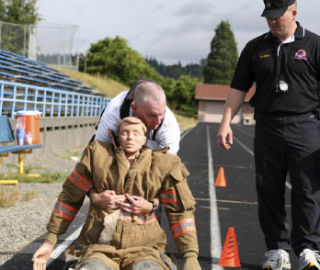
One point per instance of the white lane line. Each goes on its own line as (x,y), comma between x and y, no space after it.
(215,240)
(243,145)
(64,245)
(288,185)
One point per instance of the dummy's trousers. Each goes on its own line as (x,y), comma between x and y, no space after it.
(288,146)
(96,264)
(142,258)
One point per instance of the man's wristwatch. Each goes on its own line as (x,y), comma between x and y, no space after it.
(154,207)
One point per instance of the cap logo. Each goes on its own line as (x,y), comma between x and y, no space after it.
(301,55)
(268,4)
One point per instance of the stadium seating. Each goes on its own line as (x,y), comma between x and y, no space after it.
(16,68)
(32,85)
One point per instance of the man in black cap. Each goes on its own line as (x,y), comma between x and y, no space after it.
(284,63)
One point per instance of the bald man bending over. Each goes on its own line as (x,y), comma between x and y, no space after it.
(147,101)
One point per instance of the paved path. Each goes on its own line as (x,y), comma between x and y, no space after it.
(218,208)
(236,203)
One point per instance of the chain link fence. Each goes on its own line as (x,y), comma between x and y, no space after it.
(48,43)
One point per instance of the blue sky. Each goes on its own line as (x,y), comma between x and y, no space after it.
(169,30)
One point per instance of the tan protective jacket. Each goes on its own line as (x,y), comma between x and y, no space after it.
(155,173)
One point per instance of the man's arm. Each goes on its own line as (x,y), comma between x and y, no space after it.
(131,204)
(168,134)
(232,106)
(137,205)
(110,118)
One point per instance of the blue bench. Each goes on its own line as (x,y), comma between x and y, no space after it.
(6,137)
(6,74)
(58,75)
(13,69)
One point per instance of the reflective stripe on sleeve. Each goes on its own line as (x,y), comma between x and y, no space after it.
(168,196)
(185,225)
(80,181)
(65,211)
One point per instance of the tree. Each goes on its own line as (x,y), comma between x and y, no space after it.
(176,70)
(22,12)
(114,58)
(180,93)
(223,56)
(19,11)
(2,11)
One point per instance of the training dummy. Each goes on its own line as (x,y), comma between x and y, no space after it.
(134,174)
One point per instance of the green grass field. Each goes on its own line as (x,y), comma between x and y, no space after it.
(102,84)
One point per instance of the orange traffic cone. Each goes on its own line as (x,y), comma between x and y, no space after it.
(221,179)
(229,255)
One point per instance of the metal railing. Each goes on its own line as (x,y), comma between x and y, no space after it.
(49,101)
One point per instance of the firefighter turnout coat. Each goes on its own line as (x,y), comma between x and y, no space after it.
(155,173)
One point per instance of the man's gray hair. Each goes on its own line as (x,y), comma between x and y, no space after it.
(147,90)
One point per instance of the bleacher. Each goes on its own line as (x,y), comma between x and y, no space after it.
(32,85)
(17,68)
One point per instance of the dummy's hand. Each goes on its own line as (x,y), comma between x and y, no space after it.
(136,205)
(41,256)
(225,136)
(190,261)
(106,200)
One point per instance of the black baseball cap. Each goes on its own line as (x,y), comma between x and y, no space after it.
(276,8)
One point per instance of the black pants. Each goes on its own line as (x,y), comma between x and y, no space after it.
(282,145)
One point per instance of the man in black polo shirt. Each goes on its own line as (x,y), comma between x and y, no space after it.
(285,66)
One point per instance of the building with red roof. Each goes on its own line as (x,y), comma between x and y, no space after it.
(212,99)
